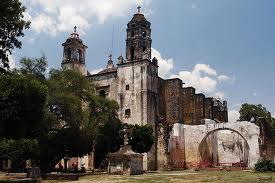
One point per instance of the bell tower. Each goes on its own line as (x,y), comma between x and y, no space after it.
(74,53)
(138,42)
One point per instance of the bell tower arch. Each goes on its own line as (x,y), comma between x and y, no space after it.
(74,53)
(138,42)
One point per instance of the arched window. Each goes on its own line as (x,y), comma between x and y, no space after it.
(80,55)
(132,33)
(144,33)
(68,54)
(102,93)
(144,48)
(132,53)
(127,87)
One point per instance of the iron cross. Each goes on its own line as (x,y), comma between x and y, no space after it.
(138,8)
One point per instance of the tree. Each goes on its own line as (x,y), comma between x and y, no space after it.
(250,112)
(22,105)
(141,138)
(12,25)
(105,126)
(18,151)
(261,116)
(34,68)
(79,120)
(66,115)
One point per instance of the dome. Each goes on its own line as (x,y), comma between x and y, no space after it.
(138,17)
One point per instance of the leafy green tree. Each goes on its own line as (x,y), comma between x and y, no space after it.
(79,120)
(22,105)
(18,151)
(105,127)
(260,115)
(141,138)
(12,25)
(66,116)
(67,143)
(34,68)
(250,112)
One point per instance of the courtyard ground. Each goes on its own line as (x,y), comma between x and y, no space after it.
(180,177)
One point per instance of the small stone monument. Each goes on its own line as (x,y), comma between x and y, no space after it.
(125,161)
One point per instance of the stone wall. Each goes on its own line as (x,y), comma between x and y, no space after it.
(173,101)
(195,134)
(208,108)
(188,97)
(199,108)
(220,112)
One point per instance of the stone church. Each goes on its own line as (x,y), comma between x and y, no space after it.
(144,97)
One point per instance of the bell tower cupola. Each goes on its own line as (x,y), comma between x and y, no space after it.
(138,42)
(74,53)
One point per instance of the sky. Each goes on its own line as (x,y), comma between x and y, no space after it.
(223,48)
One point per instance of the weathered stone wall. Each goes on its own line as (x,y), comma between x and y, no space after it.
(140,98)
(199,108)
(161,130)
(173,101)
(270,150)
(75,66)
(208,108)
(231,147)
(177,158)
(106,82)
(195,134)
(188,97)
(220,112)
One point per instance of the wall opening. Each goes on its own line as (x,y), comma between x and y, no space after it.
(127,87)
(132,53)
(127,113)
(223,147)
(102,93)
(143,33)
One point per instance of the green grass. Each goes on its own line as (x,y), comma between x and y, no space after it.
(180,177)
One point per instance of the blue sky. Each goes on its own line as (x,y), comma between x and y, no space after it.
(224,48)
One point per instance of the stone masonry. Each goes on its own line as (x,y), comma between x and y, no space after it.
(144,97)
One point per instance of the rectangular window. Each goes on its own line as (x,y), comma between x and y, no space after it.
(127,113)
(127,87)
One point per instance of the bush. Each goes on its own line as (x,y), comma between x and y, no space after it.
(265,166)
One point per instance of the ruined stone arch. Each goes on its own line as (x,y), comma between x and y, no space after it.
(203,155)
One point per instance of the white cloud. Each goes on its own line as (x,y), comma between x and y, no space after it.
(219,95)
(233,115)
(204,69)
(254,94)
(223,78)
(273,114)
(55,16)
(95,71)
(165,65)
(202,78)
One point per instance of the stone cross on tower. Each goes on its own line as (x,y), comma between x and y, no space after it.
(75,27)
(138,8)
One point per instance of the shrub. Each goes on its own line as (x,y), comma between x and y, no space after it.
(265,166)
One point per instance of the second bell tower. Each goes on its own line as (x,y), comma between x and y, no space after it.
(74,53)
(138,42)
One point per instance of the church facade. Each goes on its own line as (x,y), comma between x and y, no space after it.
(143,96)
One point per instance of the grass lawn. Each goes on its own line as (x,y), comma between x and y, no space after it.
(181,177)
